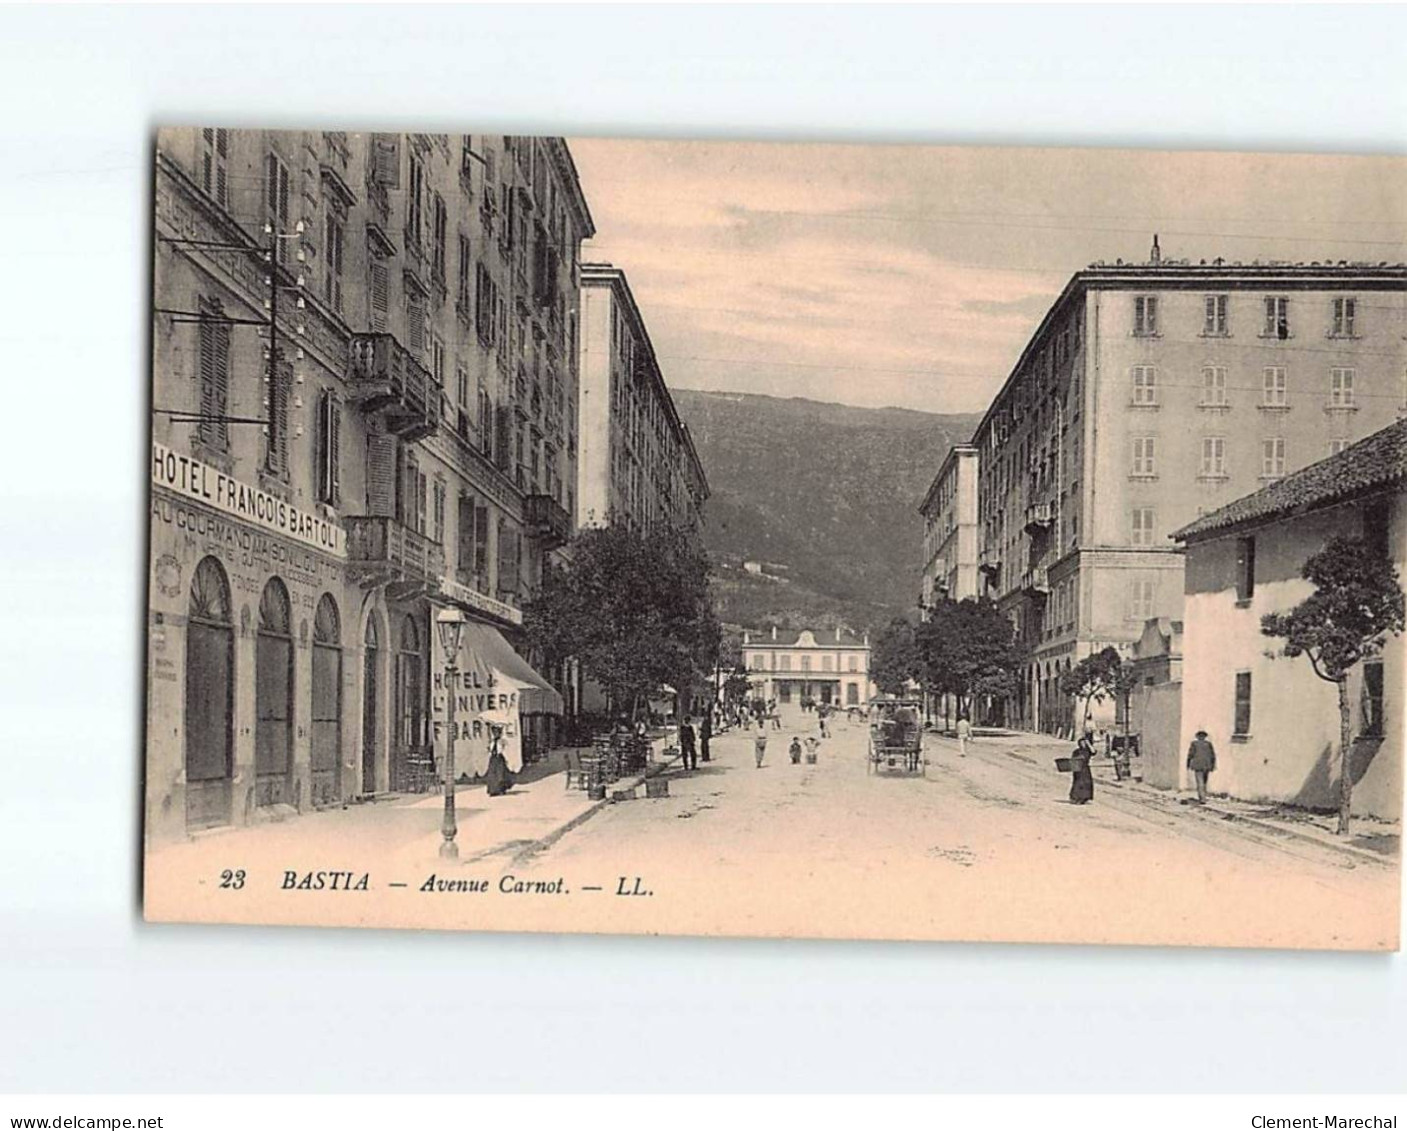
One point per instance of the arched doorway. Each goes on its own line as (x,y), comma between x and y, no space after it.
(273,697)
(326,753)
(409,721)
(209,709)
(371,690)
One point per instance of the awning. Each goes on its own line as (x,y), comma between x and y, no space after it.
(536,695)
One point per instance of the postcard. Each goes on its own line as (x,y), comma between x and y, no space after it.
(782,540)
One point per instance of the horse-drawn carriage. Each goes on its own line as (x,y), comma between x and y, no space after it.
(896,736)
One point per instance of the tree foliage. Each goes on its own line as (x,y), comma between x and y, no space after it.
(968,648)
(896,660)
(1100,675)
(1355,603)
(633,608)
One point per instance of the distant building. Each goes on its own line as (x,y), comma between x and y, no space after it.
(950,531)
(1274,723)
(637,463)
(830,666)
(1155,701)
(1152,393)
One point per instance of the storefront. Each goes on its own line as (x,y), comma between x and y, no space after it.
(249,700)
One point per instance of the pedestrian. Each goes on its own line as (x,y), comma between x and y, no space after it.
(795,750)
(688,752)
(1082,785)
(705,733)
(498,779)
(824,732)
(1201,760)
(812,742)
(759,744)
(964,735)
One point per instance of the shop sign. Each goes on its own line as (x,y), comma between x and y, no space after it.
(482,602)
(208,485)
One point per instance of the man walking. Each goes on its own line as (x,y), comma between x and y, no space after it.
(687,751)
(964,733)
(705,733)
(1201,760)
(759,742)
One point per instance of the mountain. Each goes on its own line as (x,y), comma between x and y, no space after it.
(825,495)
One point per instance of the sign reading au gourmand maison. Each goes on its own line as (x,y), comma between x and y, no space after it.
(199,481)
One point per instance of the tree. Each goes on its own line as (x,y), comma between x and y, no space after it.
(896,660)
(1100,675)
(968,649)
(1356,602)
(633,608)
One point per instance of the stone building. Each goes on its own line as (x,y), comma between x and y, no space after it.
(1274,723)
(950,532)
(364,383)
(827,666)
(1151,393)
(637,465)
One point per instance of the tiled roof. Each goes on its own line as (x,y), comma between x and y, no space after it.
(787,638)
(1371,464)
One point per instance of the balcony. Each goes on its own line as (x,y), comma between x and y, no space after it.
(382,551)
(547,520)
(1035,584)
(387,381)
(1039,517)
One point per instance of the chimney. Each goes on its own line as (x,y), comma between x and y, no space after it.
(1156,255)
(747,638)
(774,632)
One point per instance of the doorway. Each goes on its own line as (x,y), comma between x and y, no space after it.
(273,695)
(209,694)
(326,753)
(370,692)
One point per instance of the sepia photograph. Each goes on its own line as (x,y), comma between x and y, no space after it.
(780,539)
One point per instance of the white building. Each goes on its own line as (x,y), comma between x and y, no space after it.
(830,666)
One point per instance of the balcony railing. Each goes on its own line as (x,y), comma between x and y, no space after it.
(1039,517)
(1034,582)
(386,380)
(383,551)
(547,520)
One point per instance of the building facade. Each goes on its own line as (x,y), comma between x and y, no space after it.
(637,463)
(364,384)
(950,531)
(1152,393)
(1274,723)
(827,666)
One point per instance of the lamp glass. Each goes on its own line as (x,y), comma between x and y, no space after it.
(450,623)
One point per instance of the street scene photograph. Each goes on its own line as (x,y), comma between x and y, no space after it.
(775,539)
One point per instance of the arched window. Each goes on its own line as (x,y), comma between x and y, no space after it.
(410,686)
(273,694)
(326,752)
(371,709)
(209,697)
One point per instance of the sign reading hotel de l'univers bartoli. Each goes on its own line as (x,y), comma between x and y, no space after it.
(208,485)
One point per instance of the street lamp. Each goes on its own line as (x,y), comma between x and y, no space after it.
(450,622)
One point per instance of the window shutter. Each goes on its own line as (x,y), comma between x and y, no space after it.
(386,150)
(464,520)
(206,377)
(381,475)
(481,540)
(334,419)
(380,294)
(420,500)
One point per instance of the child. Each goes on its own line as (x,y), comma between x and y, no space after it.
(795,750)
(811,743)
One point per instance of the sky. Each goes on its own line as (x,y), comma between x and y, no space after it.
(913,276)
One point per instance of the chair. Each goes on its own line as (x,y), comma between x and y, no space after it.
(576,774)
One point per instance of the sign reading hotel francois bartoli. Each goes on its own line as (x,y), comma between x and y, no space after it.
(195,480)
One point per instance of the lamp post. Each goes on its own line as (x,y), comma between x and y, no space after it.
(450,623)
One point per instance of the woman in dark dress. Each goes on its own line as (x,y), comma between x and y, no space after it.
(1082,787)
(498,778)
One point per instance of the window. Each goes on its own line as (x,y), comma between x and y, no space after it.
(854,664)
(466,161)
(1245,569)
(214,376)
(276,202)
(1272,457)
(380,294)
(214,174)
(329,449)
(1214,385)
(414,203)
(415,323)
(1277,318)
(1214,456)
(1142,526)
(1141,593)
(1145,384)
(827,663)
(437,255)
(1337,445)
(437,360)
(486,423)
(1273,386)
(438,529)
(464,559)
(1341,387)
(1242,723)
(785,662)
(1143,456)
(486,306)
(757,661)
(1214,318)
(1145,315)
(332,259)
(465,261)
(806,663)
(1345,309)
(1371,718)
